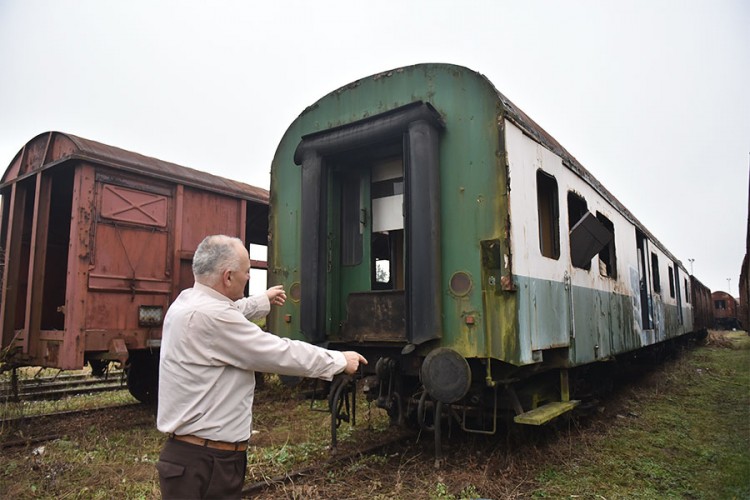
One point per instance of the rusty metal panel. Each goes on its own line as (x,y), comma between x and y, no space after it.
(130,262)
(703,311)
(116,312)
(37,259)
(129,205)
(15,274)
(206,213)
(83,210)
(129,259)
(375,316)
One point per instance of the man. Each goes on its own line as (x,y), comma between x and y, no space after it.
(209,355)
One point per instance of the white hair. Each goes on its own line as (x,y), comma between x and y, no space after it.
(214,255)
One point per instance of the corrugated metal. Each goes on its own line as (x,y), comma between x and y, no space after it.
(52,148)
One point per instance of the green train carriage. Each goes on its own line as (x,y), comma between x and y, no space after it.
(420,218)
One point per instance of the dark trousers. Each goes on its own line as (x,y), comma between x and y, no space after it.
(188,471)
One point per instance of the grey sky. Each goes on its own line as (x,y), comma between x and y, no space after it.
(650,96)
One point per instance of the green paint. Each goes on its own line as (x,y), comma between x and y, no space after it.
(515,318)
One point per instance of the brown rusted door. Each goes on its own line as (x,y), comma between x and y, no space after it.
(130,262)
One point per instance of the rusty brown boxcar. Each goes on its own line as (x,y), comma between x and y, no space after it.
(97,241)
(725,310)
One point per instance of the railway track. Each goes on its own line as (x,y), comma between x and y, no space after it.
(35,429)
(320,468)
(41,388)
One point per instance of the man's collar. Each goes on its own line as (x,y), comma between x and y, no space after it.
(213,293)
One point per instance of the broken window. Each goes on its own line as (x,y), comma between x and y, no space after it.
(671,282)
(587,238)
(655,273)
(607,256)
(577,208)
(588,235)
(549,215)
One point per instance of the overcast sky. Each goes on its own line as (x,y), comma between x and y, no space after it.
(653,97)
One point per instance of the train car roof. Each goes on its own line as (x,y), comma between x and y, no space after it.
(50,149)
(527,125)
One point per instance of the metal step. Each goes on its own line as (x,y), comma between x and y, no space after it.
(545,413)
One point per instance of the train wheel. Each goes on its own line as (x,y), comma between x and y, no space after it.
(342,408)
(142,372)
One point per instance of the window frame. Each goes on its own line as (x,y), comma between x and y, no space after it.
(548,214)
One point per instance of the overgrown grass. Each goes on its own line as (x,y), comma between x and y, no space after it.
(288,435)
(88,465)
(685,434)
(11,409)
(91,463)
(686,437)
(16,409)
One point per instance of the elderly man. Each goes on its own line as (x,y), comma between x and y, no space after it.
(209,355)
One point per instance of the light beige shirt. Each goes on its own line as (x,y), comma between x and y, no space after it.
(209,355)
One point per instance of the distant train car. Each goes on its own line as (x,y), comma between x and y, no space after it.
(421,218)
(97,242)
(744,310)
(726,310)
(744,281)
(703,306)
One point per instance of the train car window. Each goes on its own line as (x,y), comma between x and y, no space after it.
(687,292)
(381,255)
(671,281)
(549,215)
(387,192)
(577,208)
(720,304)
(655,273)
(646,306)
(258,272)
(607,255)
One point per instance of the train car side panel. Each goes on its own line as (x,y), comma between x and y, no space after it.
(579,292)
